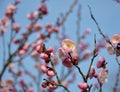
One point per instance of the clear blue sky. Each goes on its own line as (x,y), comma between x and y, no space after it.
(107,13)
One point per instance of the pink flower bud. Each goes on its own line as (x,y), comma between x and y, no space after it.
(44,84)
(26,46)
(49,30)
(44,56)
(75,59)
(16,41)
(50,50)
(44,68)
(37,27)
(52,86)
(101,62)
(82,85)
(30,16)
(67,62)
(50,73)
(33,45)
(95,75)
(38,49)
(21,52)
(55,29)
(43,9)
(106,70)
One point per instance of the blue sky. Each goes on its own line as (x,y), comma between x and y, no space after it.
(106,12)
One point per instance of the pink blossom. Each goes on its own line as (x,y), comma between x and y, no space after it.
(67,62)
(31,16)
(44,56)
(44,84)
(16,27)
(12,8)
(83,85)
(26,46)
(103,76)
(101,62)
(68,45)
(37,27)
(21,52)
(50,49)
(43,8)
(116,38)
(44,68)
(52,86)
(55,29)
(50,73)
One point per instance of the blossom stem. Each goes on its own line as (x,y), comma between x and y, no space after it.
(81,73)
(55,72)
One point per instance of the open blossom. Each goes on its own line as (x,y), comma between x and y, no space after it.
(103,76)
(116,38)
(68,45)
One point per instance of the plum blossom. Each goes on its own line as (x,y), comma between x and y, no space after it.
(116,38)
(68,45)
(103,76)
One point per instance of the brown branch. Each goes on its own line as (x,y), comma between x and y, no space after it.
(81,73)
(94,55)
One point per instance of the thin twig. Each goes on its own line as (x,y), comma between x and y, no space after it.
(81,73)
(94,55)
(55,72)
(68,12)
(4,50)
